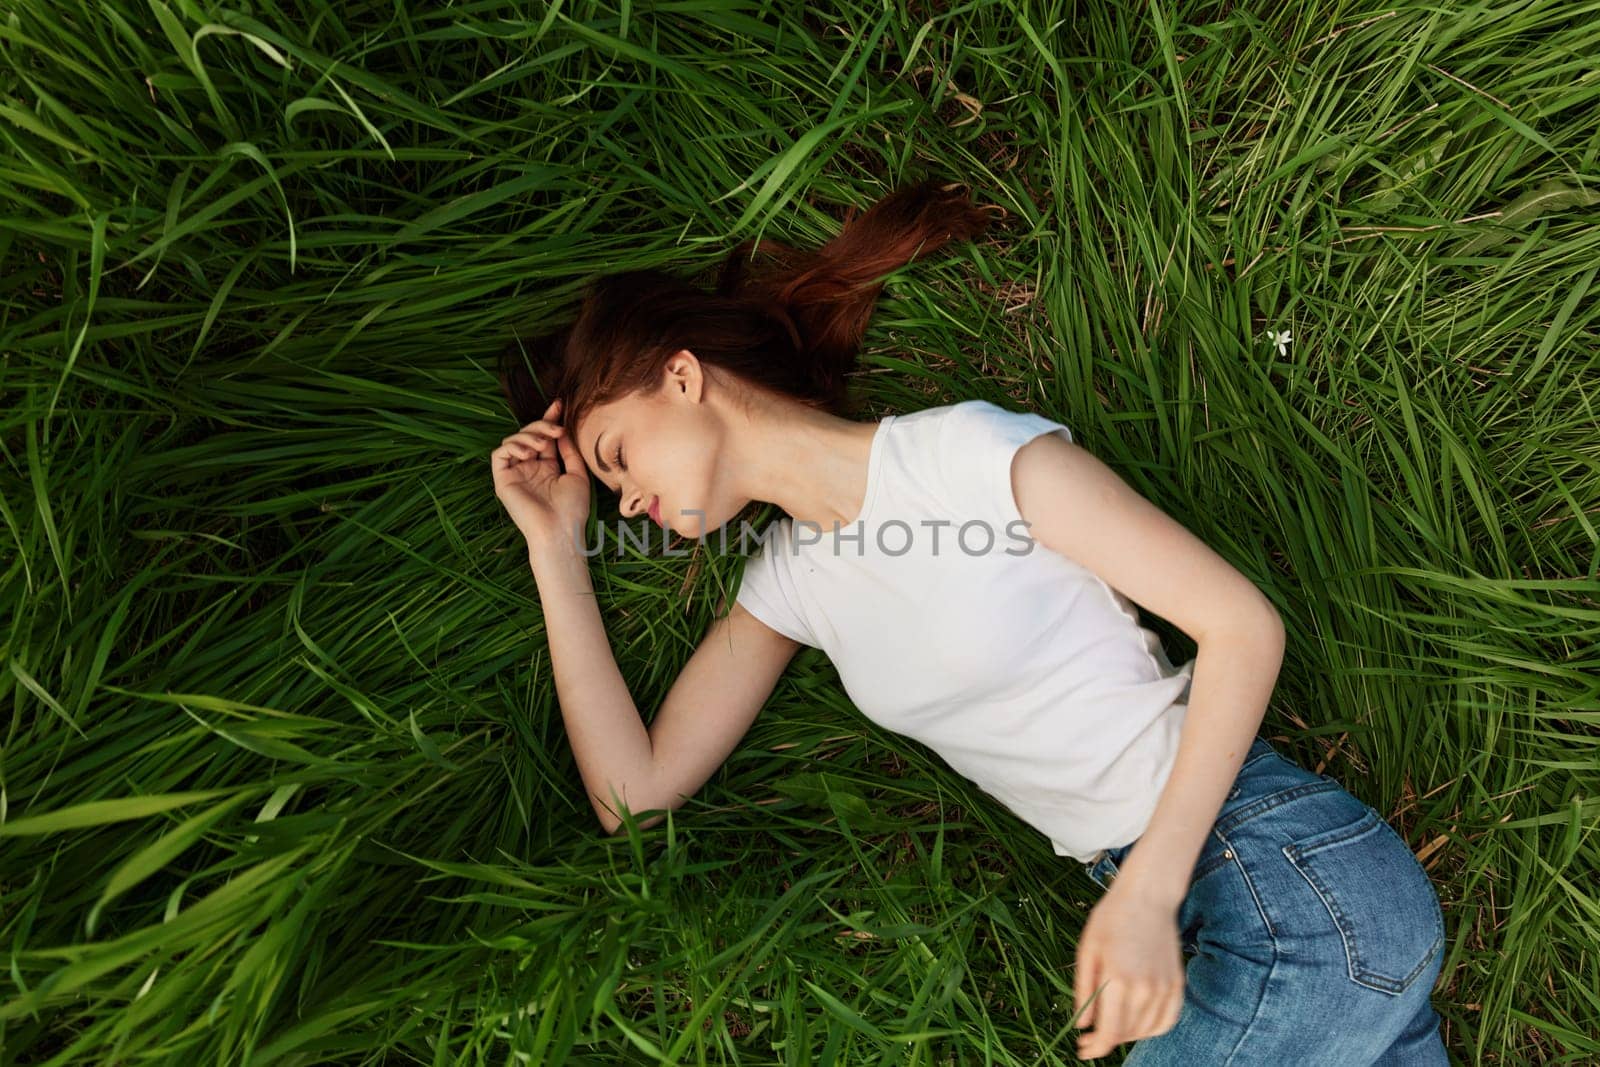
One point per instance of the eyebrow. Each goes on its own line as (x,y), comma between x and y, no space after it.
(598,462)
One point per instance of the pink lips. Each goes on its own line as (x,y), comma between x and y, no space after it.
(655,511)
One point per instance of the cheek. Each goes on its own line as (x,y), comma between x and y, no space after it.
(688,478)
(687,485)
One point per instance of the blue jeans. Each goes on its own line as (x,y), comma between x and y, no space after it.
(1312,935)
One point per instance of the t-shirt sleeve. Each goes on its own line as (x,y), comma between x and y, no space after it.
(767,589)
(976,444)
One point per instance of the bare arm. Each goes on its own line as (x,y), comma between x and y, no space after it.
(1082,509)
(708,710)
(1129,950)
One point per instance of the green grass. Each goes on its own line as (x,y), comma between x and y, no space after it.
(283,778)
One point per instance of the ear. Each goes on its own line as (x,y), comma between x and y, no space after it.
(684,375)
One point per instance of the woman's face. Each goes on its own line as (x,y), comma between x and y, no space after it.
(669,442)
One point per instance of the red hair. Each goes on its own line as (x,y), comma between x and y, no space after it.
(791,324)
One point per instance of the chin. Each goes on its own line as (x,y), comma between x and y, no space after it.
(692,525)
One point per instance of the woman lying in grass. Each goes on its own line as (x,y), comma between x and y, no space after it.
(969,570)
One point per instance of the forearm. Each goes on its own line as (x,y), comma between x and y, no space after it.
(609,739)
(1234,675)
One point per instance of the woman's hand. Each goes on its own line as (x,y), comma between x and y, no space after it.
(528,479)
(1130,946)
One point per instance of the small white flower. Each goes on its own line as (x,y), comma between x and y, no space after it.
(1281,339)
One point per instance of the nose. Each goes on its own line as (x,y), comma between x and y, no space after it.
(636,504)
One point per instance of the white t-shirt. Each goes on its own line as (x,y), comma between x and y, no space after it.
(948,624)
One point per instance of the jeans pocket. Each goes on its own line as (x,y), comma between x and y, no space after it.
(1382,901)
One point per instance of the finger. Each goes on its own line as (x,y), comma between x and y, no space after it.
(1087,977)
(1164,1010)
(1110,1020)
(1170,1016)
(1148,1022)
(522,446)
(570,456)
(551,413)
(1140,1011)
(537,440)
(536,436)
(502,457)
(542,425)
(548,419)
(513,452)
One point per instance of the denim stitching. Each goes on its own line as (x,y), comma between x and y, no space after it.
(1257,758)
(1271,933)
(1352,951)
(1438,910)
(1434,951)
(1357,969)
(1266,982)
(1273,800)
(1215,862)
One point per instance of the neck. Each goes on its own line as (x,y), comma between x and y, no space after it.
(810,463)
